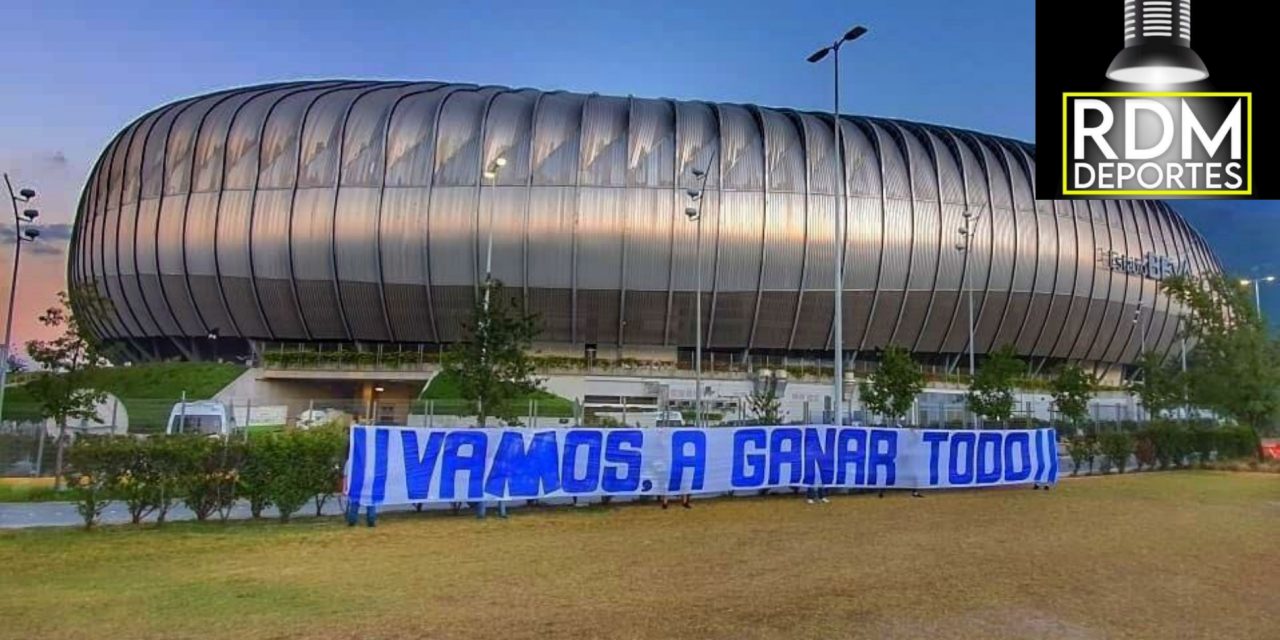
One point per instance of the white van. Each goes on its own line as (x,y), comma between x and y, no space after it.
(204,417)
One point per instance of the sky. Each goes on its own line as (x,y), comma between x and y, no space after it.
(78,72)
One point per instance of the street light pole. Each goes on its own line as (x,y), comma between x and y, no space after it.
(837,291)
(695,214)
(1257,291)
(963,245)
(492,174)
(20,236)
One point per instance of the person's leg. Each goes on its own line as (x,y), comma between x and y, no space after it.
(822,495)
(353,512)
(502,508)
(809,495)
(371,516)
(684,501)
(662,500)
(481,508)
(915,493)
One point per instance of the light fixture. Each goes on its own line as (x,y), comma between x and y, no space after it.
(501,161)
(31,233)
(30,214)
(693,193)
(378,389)
(1270,278)
(691,213)
(27,194)
(489,175)
(213,333)
(1157,45)
(1245,283)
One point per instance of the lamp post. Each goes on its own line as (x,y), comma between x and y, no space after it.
(837,291)
(695,214)
(492,174)
(20,235)
(962,245)
(1257,293)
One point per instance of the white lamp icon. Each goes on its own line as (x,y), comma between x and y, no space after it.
(1157,45)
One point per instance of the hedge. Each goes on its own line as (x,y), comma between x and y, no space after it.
(1162,445)
(286,469)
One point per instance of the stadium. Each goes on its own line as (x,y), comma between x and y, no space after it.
(357,213)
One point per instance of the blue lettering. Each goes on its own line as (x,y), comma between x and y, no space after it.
(455,459)
(593,441)
(819,456)
(791,455)
(1017,440)
(380,437)
(935,440)
(967,441)
(884,455)
(622,450)
(355,475)
(748,468)
(682,459)
(990,462)
(521,472)
(1053,455)
(419,465)
(855,455)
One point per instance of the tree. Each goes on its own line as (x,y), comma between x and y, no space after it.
(1233,367)
(67,363)
(1072,388)
(891,389)
(991,391)
(1159,384)
(492,363)
(764,401)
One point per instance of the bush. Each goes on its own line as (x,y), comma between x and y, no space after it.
(1237,442)
(1144,451)
(291,472)
(1115,446)
(207,471)
(1172,443)
(1081,448)
(93,467)
(1203,441)
(254,481)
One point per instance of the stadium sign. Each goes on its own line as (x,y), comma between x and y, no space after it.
(398,465)
(1152,266)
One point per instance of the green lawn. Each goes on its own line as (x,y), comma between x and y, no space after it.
(443,391)
(1150,555)
(148,391)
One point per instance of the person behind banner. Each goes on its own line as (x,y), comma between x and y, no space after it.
(816,494)
(353,514)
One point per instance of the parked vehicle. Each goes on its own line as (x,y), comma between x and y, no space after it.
(205,417)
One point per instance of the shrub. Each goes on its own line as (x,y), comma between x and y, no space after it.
(1082,449)
(93,465)
(326,449)
(254,481)
(207,474)
(1172,443)
(1237,442)
(1203,439)
(1115,446)
(290,482)
(1144,451)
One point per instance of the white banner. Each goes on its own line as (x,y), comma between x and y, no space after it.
(399,465)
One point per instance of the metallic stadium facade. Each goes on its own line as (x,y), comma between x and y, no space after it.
(356,212)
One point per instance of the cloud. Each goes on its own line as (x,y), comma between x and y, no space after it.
(53,238)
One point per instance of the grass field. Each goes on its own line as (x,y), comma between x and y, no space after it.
(1186,554)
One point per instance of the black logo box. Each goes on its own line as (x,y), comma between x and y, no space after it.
(1077,39)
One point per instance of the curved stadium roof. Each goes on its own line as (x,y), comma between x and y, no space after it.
(343,211)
